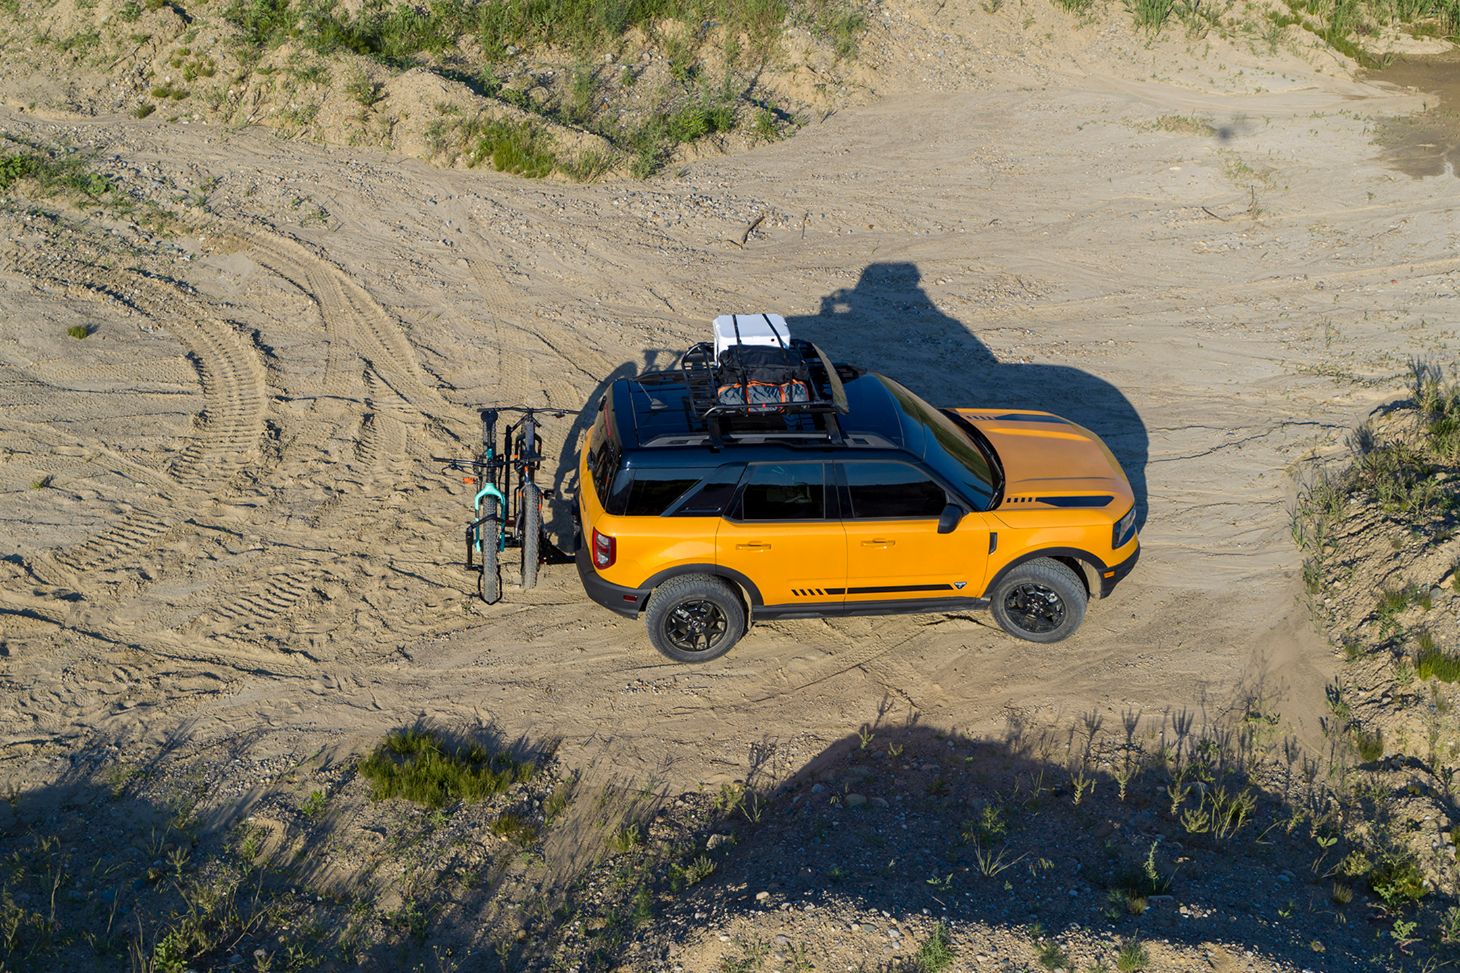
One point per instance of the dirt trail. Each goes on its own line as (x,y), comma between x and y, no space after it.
(265,546)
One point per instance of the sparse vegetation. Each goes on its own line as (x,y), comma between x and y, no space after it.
(420,765)
(79,331)
(490,43)
(934,954)
(1133,957)
(1434,663)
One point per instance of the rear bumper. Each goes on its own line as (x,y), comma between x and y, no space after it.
(1113,576)
(624,601)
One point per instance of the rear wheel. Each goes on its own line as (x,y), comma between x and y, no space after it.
(695,618)
(531,535)
(1040,601)
(489,582)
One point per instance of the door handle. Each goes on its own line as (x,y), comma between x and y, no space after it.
(878,542)
(754,546)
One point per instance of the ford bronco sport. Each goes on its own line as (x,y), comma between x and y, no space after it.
(847,494)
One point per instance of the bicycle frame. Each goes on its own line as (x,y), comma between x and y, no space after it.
(502,476)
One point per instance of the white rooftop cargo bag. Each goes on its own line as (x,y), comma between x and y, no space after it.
(750,329)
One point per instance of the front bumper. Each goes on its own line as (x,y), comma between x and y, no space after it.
(1114,575)
(616,598)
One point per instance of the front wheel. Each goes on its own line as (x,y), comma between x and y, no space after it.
(1040,601)
(489,533)
(531,533)
(695,618)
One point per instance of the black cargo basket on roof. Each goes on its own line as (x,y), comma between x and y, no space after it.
(704,378)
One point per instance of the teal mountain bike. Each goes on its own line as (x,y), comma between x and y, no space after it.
(507,507)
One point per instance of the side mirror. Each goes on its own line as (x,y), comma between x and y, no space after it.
(949,520)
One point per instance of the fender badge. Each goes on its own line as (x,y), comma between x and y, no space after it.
(959,584)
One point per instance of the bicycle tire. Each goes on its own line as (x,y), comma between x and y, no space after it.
(531,533)
(489,582)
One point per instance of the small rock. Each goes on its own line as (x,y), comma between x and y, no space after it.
(715,840)
(856,800)
(762,896)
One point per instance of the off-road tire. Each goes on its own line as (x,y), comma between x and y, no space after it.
(678,605)
(531,533)
(489,582)
(1040,601)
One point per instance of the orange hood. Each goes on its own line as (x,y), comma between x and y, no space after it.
(1045,456)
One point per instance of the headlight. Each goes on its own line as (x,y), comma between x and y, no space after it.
(1125,529)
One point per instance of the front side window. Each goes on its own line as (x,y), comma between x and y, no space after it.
(784,491)
(888,491)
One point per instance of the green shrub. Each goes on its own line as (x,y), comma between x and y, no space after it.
(1151,15)
(79,331)
(1396,878)
(934,955)
(14,168)
(517,147)
(516,829)
(1369,745)
(1434,663)
(1133,957)
(419,765)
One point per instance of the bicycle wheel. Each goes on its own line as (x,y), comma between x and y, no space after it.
(531,533)
(489,582)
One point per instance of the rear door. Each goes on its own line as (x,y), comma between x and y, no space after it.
(782,533)
(894,550)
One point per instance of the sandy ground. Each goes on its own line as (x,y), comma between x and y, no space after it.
(245,545)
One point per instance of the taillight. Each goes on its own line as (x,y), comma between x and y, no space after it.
(604,549)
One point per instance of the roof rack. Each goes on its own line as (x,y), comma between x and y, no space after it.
(703,380)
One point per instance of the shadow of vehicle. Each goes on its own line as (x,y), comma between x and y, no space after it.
(888,323)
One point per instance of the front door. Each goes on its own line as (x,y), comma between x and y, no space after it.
(894,550)
(781,535)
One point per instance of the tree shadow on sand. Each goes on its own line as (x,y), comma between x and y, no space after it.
(888,323)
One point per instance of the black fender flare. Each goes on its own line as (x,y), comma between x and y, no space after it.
(1090,566)
(752,593)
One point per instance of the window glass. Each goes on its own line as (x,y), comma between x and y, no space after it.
(602,455)
(713,494)
(649,492)
(784,491)
(964,458)
(882,491)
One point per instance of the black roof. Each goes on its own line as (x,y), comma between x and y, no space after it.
(655,427)
(654,414)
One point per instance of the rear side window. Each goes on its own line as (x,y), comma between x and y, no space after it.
(603,453)
(712,496)
(784,491)
(650,492)
(887,491)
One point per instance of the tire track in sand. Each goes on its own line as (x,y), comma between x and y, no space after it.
(228,430)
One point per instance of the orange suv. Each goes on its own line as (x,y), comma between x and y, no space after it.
(838,492)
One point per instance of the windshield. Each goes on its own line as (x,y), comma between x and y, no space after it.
(955,450)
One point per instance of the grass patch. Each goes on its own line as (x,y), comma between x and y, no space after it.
(79,331)
(483,43)
(520,148)
(1435,663)
(1184,125)
(420,765)
(1133,957)
(934,955)
(1368,744)
(56,174)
